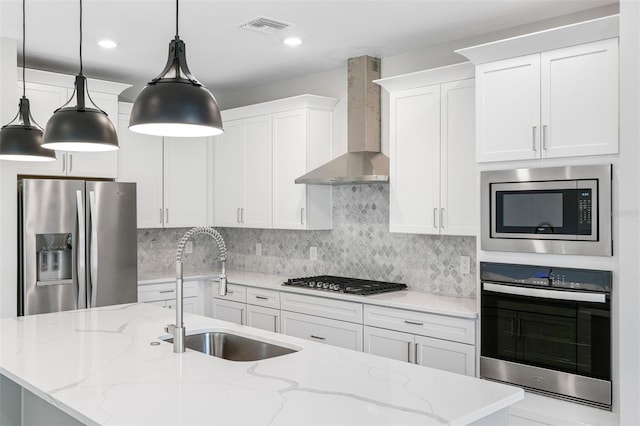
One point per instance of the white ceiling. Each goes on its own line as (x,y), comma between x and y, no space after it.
(226,58)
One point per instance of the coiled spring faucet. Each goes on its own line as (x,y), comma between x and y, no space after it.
(178,329)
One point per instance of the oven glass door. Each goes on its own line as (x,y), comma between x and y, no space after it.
(563,335)
(545,210)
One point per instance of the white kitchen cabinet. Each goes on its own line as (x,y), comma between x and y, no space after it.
(164,295)
(170,173)
(263,318)
(436,341)
(227,310)
(432,166)
(301,142)
(324,330)
(335,322)
(558,103)
(242,174)
(254,173)
(232,306)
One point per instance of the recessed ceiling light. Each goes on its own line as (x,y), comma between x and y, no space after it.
(292,41)
(107,44)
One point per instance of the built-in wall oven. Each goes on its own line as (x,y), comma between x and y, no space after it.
(564,210)
(547,329)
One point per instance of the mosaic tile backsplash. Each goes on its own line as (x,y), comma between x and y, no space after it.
(360,246)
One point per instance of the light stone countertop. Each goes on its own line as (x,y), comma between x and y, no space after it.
(462,307)
(98,366)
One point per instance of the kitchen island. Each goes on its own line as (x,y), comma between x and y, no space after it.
(110,366)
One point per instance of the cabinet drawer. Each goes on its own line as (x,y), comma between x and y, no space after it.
(235,292)
(262,297)
(431,325)
(323,330)
(327,308)
(165,291)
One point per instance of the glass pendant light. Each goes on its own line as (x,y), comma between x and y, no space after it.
(21,140)
(80,128)
(175,103)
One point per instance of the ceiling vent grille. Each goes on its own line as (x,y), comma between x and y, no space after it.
(264,25)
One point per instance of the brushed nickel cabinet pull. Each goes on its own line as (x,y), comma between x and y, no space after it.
(442,218)
(70,162)
(408,351)
(166,291)
(435,212)
(534,137)
(544,137)
(413,322)
(318,337)
(64,162)
(262,298)
(302,216)
(166,214)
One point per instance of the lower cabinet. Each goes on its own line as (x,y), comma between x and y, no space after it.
(164,295)
(437,353)
(227,310)
(263,318)
(431,340)
(324,330)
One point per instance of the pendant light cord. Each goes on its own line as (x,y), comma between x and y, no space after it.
(176,18)
(80,37)
(24,53)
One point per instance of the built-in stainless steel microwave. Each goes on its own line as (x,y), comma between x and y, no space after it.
(565,210)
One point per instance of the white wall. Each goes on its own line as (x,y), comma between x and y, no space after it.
(627,217)
(8,202)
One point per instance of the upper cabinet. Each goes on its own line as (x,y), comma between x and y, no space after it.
(242,173)
(170,176)
(255,162)
(432,167)
(549,94)
(48,92)
(559,103)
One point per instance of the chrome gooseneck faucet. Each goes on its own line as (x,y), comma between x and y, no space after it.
(178,329)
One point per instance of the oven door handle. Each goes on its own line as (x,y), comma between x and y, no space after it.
(545,294)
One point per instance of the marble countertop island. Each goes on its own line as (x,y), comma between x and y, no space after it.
(108,366)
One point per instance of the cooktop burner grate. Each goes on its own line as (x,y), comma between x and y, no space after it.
(344,285)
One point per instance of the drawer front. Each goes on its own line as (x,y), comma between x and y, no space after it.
(235,292)
(326,308)
(262,297)
(165,291)
(322,330)
(431,325)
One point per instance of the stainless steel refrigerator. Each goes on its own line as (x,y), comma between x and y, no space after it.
(77,244)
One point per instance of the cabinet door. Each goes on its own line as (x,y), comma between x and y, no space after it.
(227,174)
(458,178)
(323,330)
(580,100)
(445,355)
(389,344)
(415,161)
(256,183)
(189,304)
(140,161)
(185,182)
(289,162)
(227,310)
(263,318)
(96,164)
(508,109)
(43,100)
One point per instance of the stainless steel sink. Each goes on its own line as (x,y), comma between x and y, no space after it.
(232,347)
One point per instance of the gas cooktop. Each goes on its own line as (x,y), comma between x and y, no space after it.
(344,285)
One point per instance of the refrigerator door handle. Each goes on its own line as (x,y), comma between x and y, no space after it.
(93,251)
(80,253)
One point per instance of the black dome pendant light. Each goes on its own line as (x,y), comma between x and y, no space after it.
(175,103)
(21,140)
(80,128)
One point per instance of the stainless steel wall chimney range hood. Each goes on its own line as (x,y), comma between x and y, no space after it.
(363,163)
